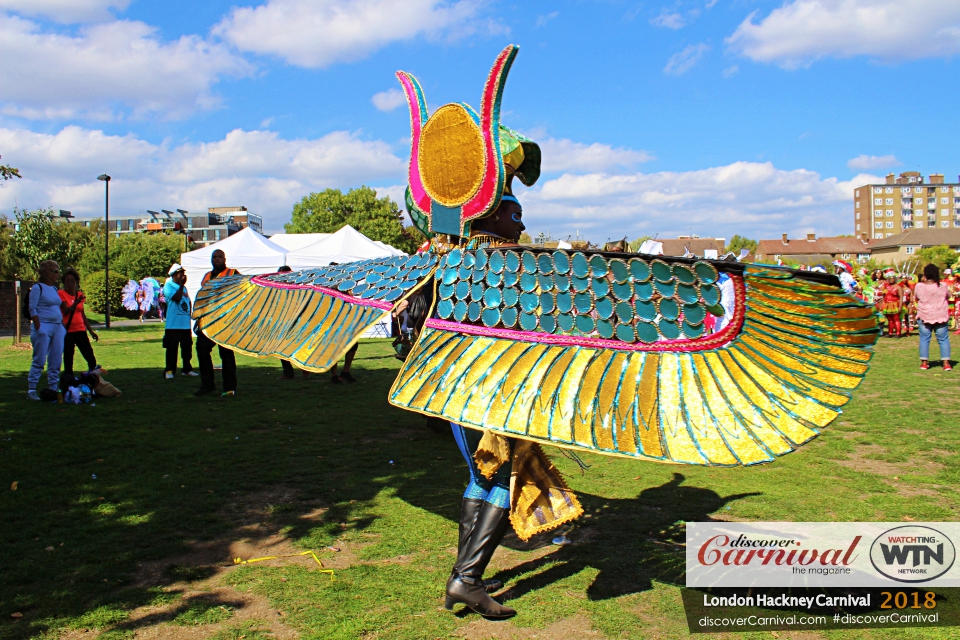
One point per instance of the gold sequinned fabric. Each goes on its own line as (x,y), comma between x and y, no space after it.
(309,317)
(451,155)
(539,498)
(802,346)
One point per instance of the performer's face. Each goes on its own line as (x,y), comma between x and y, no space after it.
(218,260)
(508,221)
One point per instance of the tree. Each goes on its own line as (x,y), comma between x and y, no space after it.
(525,238)
(377,218)
(942,256)
(635,245)
(738,242)
(41,237)
(12,266)
(9,172)
(136,255)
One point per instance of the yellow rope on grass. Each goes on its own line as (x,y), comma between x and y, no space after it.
(289,555)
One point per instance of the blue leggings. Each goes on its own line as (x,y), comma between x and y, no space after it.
(496,491)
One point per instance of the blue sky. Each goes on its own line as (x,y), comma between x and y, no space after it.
(712,117)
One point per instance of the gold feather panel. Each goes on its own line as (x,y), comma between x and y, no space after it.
(308,317)
(784,375)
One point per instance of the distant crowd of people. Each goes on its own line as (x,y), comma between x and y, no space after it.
(904,302)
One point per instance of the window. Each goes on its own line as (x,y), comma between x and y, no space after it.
(889,234)
(856,193)
(858,204)
(858,227)
(889,225)
(956,189)
(845,256)
(944,200)
(878,225)
(878,189)
(889,213)
(878,201)
(944,189)
(889,201)
(909,251)
(918,189)
(918,224)
(905,190)
(889,189)
(944,223)
(944,212)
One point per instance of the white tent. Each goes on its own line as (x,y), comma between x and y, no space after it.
(294,241)
(346,245)
(247,251)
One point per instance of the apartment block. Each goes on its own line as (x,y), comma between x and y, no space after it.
(904,203)
(217,224)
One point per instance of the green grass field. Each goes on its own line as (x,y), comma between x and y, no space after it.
(126,515)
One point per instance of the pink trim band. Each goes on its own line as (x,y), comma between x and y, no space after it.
(714,341)
(377,304)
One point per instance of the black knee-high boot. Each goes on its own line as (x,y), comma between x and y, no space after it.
(469,509)
(466,584)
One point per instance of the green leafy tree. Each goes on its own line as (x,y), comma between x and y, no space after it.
(377,218)
(525,238)
(942,256)
(93,286)
(41,237)
(738,242)
(9,173)
(136,255)
(635,245)
(12,266)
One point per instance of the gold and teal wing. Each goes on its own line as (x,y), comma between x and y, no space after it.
(309,317)
(665,359)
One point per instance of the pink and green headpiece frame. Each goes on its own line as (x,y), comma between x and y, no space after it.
(447,190)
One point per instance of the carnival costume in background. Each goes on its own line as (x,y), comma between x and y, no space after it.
(594,352)
(890,294)
(140,296)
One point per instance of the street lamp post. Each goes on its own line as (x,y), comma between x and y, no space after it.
(106,258)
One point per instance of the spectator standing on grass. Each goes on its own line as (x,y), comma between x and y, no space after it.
(218,260)
(177,323)
(47,330)
(931,297)
(75,322)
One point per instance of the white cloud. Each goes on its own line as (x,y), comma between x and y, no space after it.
(256,168)
(544,19)
(866,163)
(682,61)
(318,33)
(567,155)
(731,71)
(65,11)
(389,100)
(802,31)
(753,199)
(107,69)
(669,20)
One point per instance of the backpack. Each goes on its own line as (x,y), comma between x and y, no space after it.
(25,301)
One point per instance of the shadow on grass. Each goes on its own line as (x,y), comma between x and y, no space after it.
(147,491)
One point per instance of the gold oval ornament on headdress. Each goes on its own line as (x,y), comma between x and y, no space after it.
(451,156)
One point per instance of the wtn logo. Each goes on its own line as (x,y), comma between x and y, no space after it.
(900,555)
(912,554)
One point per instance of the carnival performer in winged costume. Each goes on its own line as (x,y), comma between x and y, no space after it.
(589,351)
